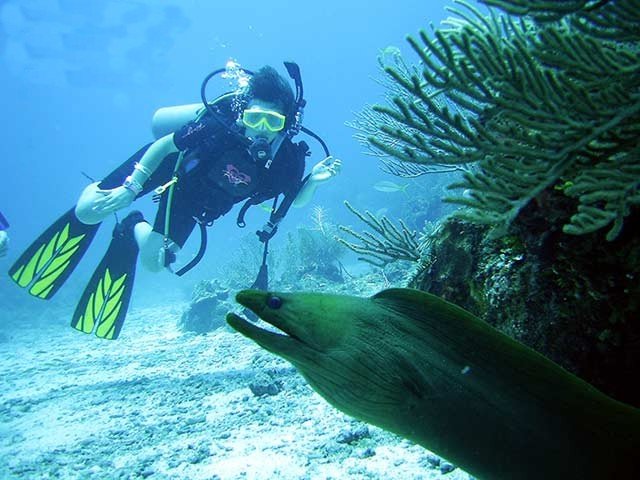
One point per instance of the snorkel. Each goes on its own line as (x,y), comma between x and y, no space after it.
(298,106)
(296,126)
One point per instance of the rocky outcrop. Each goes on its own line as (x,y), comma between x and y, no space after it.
(575,299)
(207,309)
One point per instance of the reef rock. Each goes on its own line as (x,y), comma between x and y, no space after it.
(207,309)
(575,299)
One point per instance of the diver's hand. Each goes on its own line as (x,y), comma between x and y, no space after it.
(325,169)
(4,243)
(113,200)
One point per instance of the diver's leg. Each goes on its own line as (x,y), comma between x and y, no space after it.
(152,248)
(153,254)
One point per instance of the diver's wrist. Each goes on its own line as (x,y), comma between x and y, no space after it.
(140,173)
(132,185)
(314,181)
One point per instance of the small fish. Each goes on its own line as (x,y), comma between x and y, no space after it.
(266,207)
(390,187)
(381,211)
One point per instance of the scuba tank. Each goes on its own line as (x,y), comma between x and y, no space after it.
(167,120)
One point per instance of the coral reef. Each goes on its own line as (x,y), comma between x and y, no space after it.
(207,309)
(313,253)
(574,299)
(243,264)
(388,244)
(541,104)
(550,100)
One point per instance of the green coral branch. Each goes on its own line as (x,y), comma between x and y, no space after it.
(546,10)
(601,208)
(388,244)
(529,101)
(604,19)
(412,170)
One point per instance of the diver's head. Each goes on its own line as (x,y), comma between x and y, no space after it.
(263,119)
(269,103)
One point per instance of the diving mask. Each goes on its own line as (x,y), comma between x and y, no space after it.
(256,118)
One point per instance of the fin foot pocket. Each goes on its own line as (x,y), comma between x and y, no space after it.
(104,303)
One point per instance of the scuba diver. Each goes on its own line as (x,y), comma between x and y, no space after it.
(4,237)
(207,158)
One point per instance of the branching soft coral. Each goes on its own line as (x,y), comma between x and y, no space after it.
(548,99)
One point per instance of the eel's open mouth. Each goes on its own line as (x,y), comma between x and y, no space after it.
(256,301)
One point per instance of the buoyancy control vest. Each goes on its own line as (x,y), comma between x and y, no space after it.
(170,119)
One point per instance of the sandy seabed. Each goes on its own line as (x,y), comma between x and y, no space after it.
(161,404)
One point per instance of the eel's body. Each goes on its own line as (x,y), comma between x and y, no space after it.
(416,365)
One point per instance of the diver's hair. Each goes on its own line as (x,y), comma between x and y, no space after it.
(268,85)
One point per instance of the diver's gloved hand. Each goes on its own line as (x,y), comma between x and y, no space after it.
(113,200)
(325,169)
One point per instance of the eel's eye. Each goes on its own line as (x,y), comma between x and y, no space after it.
(274,302)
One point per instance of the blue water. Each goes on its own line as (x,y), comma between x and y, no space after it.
(81,80)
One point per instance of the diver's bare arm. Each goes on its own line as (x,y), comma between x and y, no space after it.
(152,158)
(95,204)
(305,194)
(320,173)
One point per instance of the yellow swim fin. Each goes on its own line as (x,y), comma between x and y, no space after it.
(44,267)
(104,303)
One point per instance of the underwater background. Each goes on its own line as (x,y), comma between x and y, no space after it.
(489,159)
(80,82)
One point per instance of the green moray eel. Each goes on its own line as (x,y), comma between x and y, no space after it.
(421,367)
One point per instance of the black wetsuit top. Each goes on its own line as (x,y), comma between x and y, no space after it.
(217,172)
